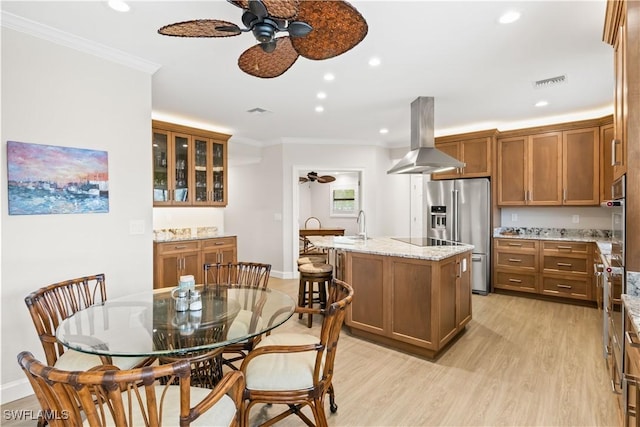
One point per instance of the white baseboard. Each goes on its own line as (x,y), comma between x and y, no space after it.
(284,274)
(15,390)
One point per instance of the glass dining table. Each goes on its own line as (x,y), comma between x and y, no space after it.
(148,324)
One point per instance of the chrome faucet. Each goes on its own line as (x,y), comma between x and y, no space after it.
(362,226)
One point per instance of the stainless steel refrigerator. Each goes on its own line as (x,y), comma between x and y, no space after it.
(459,210)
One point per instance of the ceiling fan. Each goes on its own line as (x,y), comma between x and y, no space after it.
(313,177)
(317,30)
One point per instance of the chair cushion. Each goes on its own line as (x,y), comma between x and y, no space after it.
(315,268)
(312,259)
(282,371)
(72,360)
(241,323)
(221,414)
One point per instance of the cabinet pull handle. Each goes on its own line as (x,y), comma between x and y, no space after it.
(515,280)
(632,339)
(614,161)
(561,286)
(219,243)
(563,264)
(180,247)
(514,244)
(515,260)
(565,247)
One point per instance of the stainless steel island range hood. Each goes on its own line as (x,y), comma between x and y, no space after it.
(424,157)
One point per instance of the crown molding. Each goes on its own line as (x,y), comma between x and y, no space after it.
(36,29)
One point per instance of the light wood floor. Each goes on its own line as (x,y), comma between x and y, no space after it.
(520,362)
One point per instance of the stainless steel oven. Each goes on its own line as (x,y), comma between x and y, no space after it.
(614,281)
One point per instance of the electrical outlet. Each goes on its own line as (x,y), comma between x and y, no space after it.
(514,217)
(575,219)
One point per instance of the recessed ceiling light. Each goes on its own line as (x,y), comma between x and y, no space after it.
(321,95)
(509,17)
(384,131)
(118,5)
(374,62)
(329,77)
(542,104)
(319,109)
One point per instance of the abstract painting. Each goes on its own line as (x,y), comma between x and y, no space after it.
(47,179)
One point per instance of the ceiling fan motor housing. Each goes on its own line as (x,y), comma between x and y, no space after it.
(264,31)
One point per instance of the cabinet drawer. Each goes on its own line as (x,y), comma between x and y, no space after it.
(514,244)
(566,247)
(515,281)
(560,286)
(527,261)
(566,264)
(175,247)
(217,242)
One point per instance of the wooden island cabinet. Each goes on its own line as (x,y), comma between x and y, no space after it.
(414,299)
(414,305)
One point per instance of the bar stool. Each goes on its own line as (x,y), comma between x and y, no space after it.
(312,259)
(310,274)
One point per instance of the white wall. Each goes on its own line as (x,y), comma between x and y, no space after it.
(56,95)
(263,213)
(589,217)
(255,212)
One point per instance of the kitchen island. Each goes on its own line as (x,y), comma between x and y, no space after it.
(416,299)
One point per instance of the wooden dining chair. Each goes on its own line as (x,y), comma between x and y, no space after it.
(107,396)
(251,274)
(51,304)
(297,369)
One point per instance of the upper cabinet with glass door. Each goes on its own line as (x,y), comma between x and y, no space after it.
(189,166)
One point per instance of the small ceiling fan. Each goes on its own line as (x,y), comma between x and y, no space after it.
(313,177)
(317,30)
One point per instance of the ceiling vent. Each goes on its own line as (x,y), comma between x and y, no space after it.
(258,111)
(553,81)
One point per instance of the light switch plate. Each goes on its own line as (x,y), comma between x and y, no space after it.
(514,217)
(575,219)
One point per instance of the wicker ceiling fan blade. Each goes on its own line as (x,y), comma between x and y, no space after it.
(283,9)
(337,28)
(302,179)
(256,62)
(201,28)
(325,179)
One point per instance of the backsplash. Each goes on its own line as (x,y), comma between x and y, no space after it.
(165,234)
(551,232)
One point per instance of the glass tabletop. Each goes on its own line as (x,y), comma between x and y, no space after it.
(148,324)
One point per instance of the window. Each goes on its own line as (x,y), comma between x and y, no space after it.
(344,200)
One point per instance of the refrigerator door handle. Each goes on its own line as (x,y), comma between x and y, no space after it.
(456,219)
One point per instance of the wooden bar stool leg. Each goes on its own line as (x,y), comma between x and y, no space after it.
(302,290)
(309,315)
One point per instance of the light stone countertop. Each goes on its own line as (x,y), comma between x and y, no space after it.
(632,304)
(563,234)
(182,234)
(389,247)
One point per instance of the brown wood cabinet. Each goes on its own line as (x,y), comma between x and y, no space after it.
(581,166)
(615,33)
(189,166)
(178,258)
(622,31)
(606,166)
(414,305)
(547,267)
(553,168)
(475,149)
(516,265)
